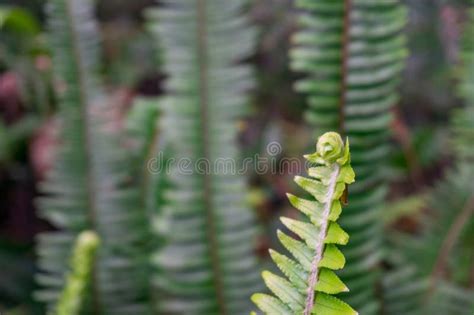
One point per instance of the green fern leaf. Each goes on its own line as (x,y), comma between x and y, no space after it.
(89,186)
(208,265)
(352,52)
(310,280)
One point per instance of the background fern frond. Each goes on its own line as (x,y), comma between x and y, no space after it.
(423,280)
(88,188)
(429,275)
(352,52)
(463,118)
(311,280)
(146,144)
(209,265)
(141,127)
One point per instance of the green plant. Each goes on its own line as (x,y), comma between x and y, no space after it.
(89,186)
(430,272)
(311,277)
(208,265)
(79,278)
(352,52)
(424,265)
(463,118)
(146,143)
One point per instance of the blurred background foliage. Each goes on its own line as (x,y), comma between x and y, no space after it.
(28,129)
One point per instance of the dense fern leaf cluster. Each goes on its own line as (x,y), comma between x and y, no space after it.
(208,265)
(88,186)
(310,277)
(79,279)
(353,52)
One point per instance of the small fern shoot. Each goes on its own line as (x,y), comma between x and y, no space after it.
(311,280)
(79,278)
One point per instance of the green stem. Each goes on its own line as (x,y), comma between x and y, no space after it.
(213,243)
(313,278)
(344,64)
(84,110)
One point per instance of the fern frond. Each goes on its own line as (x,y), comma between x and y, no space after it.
(352,52)
(423,280)
(463,118)
(310,279)
(147,146)
(408,292)
(88,188)
(209,265)
(78,279)
(141,127)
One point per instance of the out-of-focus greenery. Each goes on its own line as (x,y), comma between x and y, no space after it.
(211,231)
(89,185)
(421,152)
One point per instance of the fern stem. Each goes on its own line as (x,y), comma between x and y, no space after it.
(84,110)
(313,278)
(204,112)
(148,181)
(344,64)
(451,239)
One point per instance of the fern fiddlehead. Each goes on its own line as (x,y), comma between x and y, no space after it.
(352,52)
(311,277)
(78,280)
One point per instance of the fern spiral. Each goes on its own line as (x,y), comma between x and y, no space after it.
(208,265)
(352,52)
(88,188)
(311,279)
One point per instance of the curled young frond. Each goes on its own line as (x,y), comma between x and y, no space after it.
(351,53)
(79,278)
(310,278)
